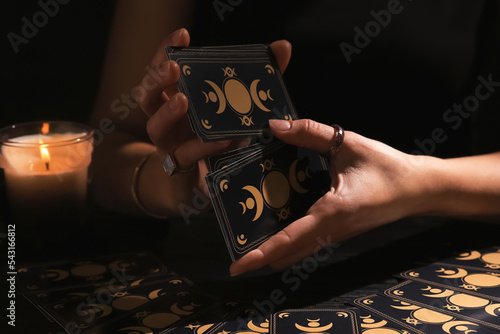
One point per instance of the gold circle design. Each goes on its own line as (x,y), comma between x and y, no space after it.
(276,189)
(238,97)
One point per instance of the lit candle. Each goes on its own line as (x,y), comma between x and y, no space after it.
(46,174)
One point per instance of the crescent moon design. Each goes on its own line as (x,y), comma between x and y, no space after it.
(268,93)
(244,207)
(367,301)
(206,96)
(223,185)
(292,176)
(374,325)
(137,282)
(263,328)
(186,70)
(383,331)
(406,306)
(398,292)
(342,314)
(449,325)
(56,275)
(255,96)
(137,329)
(469,256)
(241,239)
(413,274)
(220,96)
(458,274)
(270,69)
(154,294)
(284,315)
(445,293)
(177,310)
(259,200)
(206,124)
(493,309)
(314,329)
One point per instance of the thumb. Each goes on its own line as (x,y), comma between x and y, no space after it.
(304,132)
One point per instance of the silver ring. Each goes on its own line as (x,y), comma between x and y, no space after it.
(170,166)
(337,140)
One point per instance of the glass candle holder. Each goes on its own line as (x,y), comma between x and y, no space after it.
(46,176)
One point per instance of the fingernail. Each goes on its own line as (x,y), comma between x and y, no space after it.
(235,272)
(173,104)
(279,124)
(176,37)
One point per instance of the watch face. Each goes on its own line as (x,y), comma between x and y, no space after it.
(169,165)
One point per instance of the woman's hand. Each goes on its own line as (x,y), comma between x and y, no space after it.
(372,184)
(168,125)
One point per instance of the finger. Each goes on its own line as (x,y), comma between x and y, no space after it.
(161,124)
(149,93)
(190,152)
(290,240)
(305,133)
(179,37)
(282,50)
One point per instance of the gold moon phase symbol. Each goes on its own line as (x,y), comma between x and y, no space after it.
(255,96)
(259,201)
(491,258)
(406,306)
(464,300)
(177,310)
(56,275)
(292,176)
(374,324)
(482,280)
(314,327)
(137,282)
(382,331)
(136,330)
(453,274)
(154,294)
(220,96)
(276,189)
(237,96)
(455,324)
(284,315)
(493,309)
(186,70)
(270,69)
(206,124)
(342,314)
(469,256)
(263,328)
(445,293)
(223,185)
(241,239)
(430,316)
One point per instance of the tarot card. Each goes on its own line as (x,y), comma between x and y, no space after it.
(105,305)
(121,269)
(222,160)
(315,321)
(457,304)
(258,195)
(485,259)
(374,324)
(157,315)
(417,319)
(232,91)
(474,282)
(215,319)
(62,296)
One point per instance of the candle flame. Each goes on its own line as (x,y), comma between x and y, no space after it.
(45,128)
(44,154)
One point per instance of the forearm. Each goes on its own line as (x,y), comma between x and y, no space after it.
(464,187)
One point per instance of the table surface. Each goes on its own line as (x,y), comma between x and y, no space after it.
(358,267)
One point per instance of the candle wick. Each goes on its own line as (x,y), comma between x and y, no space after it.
(47,166)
